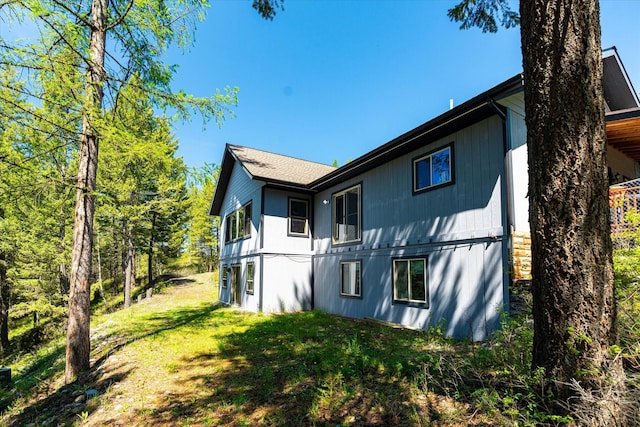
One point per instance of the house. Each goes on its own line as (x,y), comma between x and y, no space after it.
(428,229)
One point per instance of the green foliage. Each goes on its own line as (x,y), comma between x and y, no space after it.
(301,368)
(142,184)
(484,14)
(43,102)
(267,8)
(36,197)
(626,263)
(202,234)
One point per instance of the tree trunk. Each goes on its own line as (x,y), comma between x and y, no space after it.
(63,277)
(574,308)
(150,250)
(117,264)
(5,293)
(78,345)
(129,269)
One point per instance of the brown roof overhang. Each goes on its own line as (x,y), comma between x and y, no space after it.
(623,132)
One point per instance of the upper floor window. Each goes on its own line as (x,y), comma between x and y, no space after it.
(298,217)
(238,224)
(433,169)
(347,215)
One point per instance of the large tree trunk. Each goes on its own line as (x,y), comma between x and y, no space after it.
(574,308)
(78,345)
(5,293)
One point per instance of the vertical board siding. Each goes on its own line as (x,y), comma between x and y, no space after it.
(247,301)
(392,214)
(276,223)
(520,170)
(251,302)
(458,227)
(287,260)
(517,141)
(288,283)
(464,283)
(240,191)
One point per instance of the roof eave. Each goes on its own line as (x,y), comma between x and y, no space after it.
(228,161)
(471,111)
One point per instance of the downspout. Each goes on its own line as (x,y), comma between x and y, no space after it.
(508,205)
(261,248)
(260,295)
(313,252)
(261,232)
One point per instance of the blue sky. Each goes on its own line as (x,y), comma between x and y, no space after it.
(334,79)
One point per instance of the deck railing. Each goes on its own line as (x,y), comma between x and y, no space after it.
(624,200)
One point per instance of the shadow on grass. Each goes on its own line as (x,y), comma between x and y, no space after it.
(303,369)
(156,323)
(58,406)
(65,405)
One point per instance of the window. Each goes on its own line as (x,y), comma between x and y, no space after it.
(240,221)
(433,169)
(346,214)
(350,279)
(227,229)
(247,220)
(410,280)
(249,278)
(225,276)
(234,225)
(298,217)
(238,224)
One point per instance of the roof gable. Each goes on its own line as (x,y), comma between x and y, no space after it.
(274,169)
(619,93)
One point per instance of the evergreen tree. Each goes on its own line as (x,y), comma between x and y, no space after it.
(574,307)
(139,33)
(203,228)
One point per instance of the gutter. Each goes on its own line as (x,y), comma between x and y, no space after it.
(395,147)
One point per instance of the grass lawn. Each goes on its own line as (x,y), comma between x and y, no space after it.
(181,358)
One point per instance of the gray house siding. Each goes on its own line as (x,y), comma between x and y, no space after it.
(457,238)
(276,236)
(242,190)
(286,257)
(281,261)
(458,228)
(517,154)
(247,299)
(288,279)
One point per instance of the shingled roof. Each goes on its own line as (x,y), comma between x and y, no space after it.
(274,169)
(271,167)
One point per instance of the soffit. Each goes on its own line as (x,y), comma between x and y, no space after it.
(623,133)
